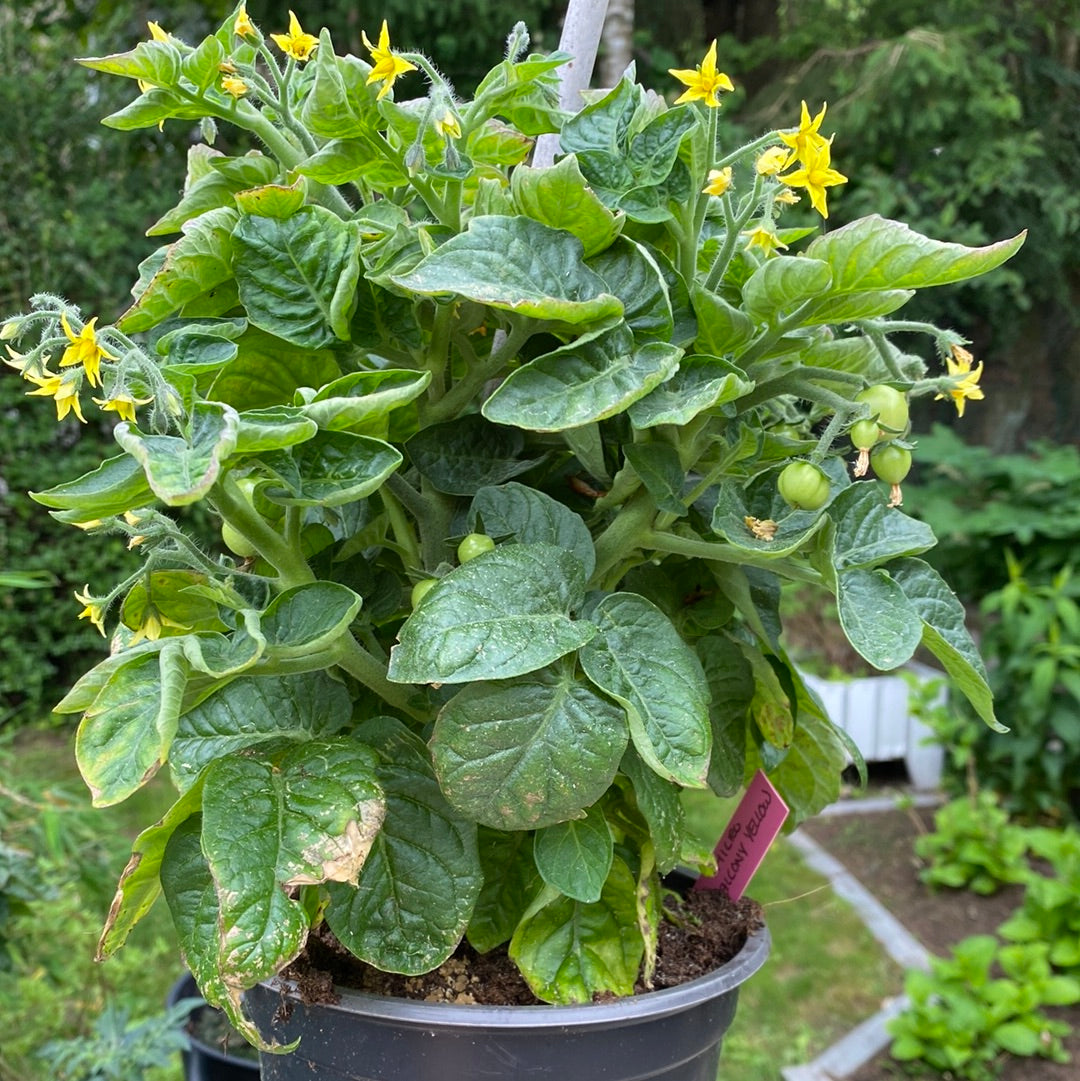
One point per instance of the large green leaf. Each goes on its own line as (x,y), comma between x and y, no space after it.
(363,401)
(781,283)
(418,887)
(308,618)
(329,470)
(575,856)
(518,265)
(569,951)
(251,710)
(659,805)
(878,618)
(341,102)
(660,469)
(273,428)
(297,276)
(306,816)
(722,328)
(701,382)
(195,264)
(531,517)
(876,253)
(559,196)
(461,456)
(868,531)
(117,485)
(633,275)
(639,659)
(582,382)
(182,469)
(125,736)
(503,614)
(945,634)
(527,752)
(731,683)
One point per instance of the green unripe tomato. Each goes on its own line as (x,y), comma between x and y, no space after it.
(887,404)
(803,486)
(864,434)
(473,545)
(890,462)
(249,488)
(236,542)
(421,589)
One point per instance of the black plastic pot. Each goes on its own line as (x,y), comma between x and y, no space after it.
(204,1062)
(669,1035)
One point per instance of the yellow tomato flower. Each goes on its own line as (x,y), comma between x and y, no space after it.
(387,66)
(719,181)
(84,349)
(702,82)
(156,33)
(959,364)
(448,127)
(236,87)
(243,26)
(123,404)
(816,175)
(772,161)
(65,393)
(786,196)
(765,238)
(296,43)
(93,610)
(807,139)
(152,627)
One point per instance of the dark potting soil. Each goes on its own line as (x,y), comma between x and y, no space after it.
(709,930)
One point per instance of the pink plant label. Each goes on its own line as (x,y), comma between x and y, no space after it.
(752,829)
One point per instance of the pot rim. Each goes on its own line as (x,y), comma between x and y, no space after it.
(654,1004)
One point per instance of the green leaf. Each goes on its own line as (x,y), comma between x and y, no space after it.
(660,469)
(731,684)
(639,660)
(344,161)
(582,382)
(876,253)
(878,618)
(196,347)
(169,595)
(530,516)
(528,752)
(868,531)
(273,428)
(362,401)
(297,276)
(503,614)
(202,66)
(140,883)
(156,62)
(276,201)
(194,265)
(420,883)
(722,328)
(306,619)
(604,124)
(461,456)
(511,881)
(575,857)
(569,951)
(781,283)
(271,823)
(633,275)
(117,485)
(700,383)
(945,634)
(1018,1038)
(182,469)
(218,656)
(125,736)
(659,805)
(252,710)
(329,470)
(772,706)
(341,103)
(734,505)
(560,197)
(517,265)
(846,307)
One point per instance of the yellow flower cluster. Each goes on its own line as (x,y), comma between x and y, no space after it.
(813,152)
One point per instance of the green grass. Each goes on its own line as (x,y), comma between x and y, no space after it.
(826,972)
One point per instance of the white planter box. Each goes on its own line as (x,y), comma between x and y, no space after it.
(873,710)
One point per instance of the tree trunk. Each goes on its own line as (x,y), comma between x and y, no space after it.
(617,43)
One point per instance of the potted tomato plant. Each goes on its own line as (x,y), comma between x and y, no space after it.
(493,444)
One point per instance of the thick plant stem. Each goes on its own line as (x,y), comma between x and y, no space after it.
(366,669)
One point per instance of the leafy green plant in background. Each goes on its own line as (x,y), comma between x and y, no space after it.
(1032,637)
(963,1016)
(982,505)
(120,1048)
(579,362)
(973,846)
(1050,911)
